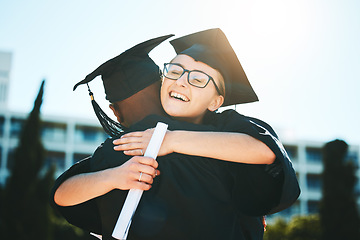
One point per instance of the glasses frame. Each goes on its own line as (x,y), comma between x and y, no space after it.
(188,79)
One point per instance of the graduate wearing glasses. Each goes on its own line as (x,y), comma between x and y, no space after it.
(220,172)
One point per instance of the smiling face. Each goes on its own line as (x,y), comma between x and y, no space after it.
(186,102)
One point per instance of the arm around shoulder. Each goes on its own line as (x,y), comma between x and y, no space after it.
(227,146)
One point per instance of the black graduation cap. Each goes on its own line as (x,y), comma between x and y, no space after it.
(212,47)
(123,76)
(128,73)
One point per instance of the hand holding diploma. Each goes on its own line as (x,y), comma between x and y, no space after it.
(124,221)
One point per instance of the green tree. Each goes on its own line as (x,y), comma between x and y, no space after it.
(25,212)
(276,230)
(304,228)
(338,210)
(25,208)
(298,228)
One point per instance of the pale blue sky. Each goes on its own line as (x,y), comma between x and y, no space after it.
(302,57)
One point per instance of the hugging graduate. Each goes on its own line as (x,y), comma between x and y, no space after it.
(217,174)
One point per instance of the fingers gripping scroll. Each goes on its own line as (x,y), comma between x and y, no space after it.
(123,224)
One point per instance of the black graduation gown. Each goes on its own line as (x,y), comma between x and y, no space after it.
(193,198)
(281,170)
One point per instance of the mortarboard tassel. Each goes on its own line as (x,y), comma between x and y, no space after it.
(111,127)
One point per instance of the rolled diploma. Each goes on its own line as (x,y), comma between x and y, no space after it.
(123,223)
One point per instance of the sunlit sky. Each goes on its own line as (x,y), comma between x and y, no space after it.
(301,57)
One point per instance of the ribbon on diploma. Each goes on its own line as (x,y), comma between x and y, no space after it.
(123,223)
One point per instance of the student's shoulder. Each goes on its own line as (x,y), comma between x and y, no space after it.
(232,120)
(232,115)
(228,120)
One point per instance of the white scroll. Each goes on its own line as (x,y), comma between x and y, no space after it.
(132,200)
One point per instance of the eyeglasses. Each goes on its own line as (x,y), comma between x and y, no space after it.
(195,78)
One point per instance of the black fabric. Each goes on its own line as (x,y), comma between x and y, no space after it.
(81,215)
(128,73)
(193,198)
(123,76)
(213,48)
(282,169)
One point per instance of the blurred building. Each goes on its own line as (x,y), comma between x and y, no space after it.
(306,157)
(67,140)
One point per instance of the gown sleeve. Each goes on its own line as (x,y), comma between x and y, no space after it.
(260,189)
(88,215)
(84,215)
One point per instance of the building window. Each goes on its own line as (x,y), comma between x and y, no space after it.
(2,126)
(313,155)
(357,188)
(55,132)
(88,134)
(0,156)
(15,127)
(79,156)
(352,157)
(313,207)
(292,152)
(314,182)
(55,158)
(10,159)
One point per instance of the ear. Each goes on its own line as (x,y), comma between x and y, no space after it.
(116,113)
(216,103)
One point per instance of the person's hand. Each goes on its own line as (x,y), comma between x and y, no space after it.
(138,172)
(135,143)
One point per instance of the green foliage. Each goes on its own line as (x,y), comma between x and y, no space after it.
(25,212)
(299,228)
(63,230)
(304,228)
(277,230)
